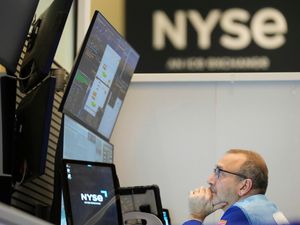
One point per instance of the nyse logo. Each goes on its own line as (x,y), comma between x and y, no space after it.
(267,28)
(93,199)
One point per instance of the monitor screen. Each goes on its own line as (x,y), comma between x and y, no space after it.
(166,216)
(81,144)
(43,42)
(141,199)
(100,78)
(33,117)
(90,193)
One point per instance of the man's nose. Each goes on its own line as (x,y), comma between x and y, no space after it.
(211,179)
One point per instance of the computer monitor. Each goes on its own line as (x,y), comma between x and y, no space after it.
(33,117)
(15,19)
(100,78)
(43,43)
(79,143)
(166,216)
(144,199)
(91,193)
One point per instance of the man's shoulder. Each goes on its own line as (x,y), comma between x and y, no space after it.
(234,215)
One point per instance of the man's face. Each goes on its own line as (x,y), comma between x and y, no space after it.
(226,186)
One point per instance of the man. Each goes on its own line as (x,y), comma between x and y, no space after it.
(237,185)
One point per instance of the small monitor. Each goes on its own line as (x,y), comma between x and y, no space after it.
(90,193)
(141,199)
(33,117)
(166,216)
(100,78)
(43,43)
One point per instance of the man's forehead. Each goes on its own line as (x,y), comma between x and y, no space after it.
(232,160)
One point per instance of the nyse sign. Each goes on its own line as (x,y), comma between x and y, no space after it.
(233,22)
(233,36)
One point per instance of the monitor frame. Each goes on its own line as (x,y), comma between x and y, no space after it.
(166,216)
(33,124)
(15,24)
(46,31)
(55,211)
(68,155)
(76,66)
(136,192)
(66,190)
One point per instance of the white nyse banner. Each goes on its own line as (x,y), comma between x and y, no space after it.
(214,36)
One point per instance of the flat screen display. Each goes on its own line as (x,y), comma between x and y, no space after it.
(33,116)
(166,216)
(15,19)
(90,193)
(141,199)
(43,43)
(100,78)
(81,144)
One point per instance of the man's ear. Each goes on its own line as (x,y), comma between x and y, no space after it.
(245,187)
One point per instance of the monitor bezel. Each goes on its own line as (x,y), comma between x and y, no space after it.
(139,190)
(47,31)
(166,216)
(66,190)
(55,210)
(32,137)
(76,66)
(63,125)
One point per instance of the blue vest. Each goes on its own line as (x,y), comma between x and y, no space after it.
(254,210)
(259,210)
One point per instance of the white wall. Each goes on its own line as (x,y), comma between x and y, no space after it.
(172,133)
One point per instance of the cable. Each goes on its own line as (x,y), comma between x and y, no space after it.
(17,184)
(9,76)
(14,77)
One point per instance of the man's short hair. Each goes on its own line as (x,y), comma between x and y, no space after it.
(254,168)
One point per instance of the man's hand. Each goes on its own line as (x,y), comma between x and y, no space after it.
(201,204)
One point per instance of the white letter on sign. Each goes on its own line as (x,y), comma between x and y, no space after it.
(203,27)
(163,27)
(268,27)
(231,22)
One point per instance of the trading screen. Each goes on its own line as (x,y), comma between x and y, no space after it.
(81,144)
(101,78)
